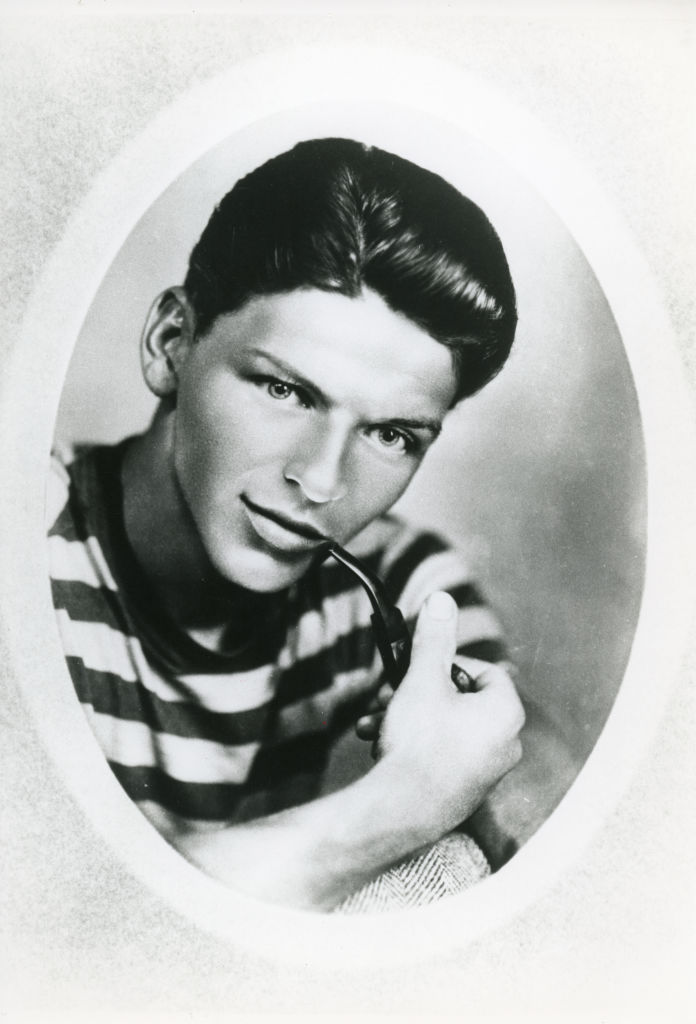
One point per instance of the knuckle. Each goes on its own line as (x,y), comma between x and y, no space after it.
(514,714)
(384,695)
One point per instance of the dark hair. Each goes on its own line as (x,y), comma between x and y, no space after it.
(340,216)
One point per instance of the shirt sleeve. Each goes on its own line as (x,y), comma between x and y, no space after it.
(416,563)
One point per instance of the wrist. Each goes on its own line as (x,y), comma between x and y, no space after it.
(315,855)
(409,802)
(432,797)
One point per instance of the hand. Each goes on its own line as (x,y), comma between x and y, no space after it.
(448,748)
(368,726)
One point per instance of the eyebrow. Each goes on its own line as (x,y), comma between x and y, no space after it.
(433,426)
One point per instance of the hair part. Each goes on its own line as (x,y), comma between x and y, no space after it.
(341,216)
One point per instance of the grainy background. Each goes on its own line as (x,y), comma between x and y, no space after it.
(612,940)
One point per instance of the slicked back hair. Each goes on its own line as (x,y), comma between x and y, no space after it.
(341,216)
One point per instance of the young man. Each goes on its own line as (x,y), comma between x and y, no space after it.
(338,304)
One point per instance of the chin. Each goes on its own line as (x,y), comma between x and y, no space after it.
(263,573)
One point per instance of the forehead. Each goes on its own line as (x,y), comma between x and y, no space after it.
(356,350)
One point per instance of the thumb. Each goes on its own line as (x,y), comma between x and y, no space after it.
(434,639)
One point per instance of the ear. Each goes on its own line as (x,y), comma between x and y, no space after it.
(167,339)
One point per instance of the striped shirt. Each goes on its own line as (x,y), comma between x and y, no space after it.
(200,739)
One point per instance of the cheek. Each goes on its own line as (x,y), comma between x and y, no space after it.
(374,488)
(202,446)
(223,412)
(222,441)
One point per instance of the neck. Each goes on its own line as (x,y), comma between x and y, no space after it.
(168,549)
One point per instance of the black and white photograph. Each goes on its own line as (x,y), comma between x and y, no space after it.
(347,571)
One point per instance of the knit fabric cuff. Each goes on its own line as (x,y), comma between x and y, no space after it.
(449,867)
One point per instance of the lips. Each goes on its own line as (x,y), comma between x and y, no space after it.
(279,530)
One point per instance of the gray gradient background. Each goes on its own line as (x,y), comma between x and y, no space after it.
(78,931)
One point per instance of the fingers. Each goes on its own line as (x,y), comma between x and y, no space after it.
(434,642)
(497,688)
(496,702)
(384,695)
(494,685)
(465,672)
(367,727)
(462,679)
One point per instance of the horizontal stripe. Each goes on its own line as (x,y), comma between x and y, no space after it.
(230,692)
(110,695)
(228,809)
(475,624)
(392,538)
(353,651)
(272,775)
(103,649)
(333,578)
(215,801)
(86,603)
(442,571)
(76,588)
(485,650)
(317,712)
(316,631)
(466,595)
(290,791)
(68,526)
(98,646)
(152,684)
(300,755)
(134,744)
(79,561)
(423,548)
(380,547)
(170,825)
(294,677)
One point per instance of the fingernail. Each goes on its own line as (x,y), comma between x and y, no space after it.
(440,606)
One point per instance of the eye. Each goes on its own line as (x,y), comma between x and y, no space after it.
(395,440)
(282,390)
(279,389)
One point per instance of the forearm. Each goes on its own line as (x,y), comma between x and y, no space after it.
(312,856)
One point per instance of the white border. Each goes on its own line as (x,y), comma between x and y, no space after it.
(187,129)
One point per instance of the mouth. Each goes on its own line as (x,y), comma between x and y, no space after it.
(281,531)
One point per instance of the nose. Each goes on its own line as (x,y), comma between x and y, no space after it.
(317,463)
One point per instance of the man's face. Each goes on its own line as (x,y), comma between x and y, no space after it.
(302,415)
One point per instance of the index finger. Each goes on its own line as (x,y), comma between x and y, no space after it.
(496,683)
(465,671)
